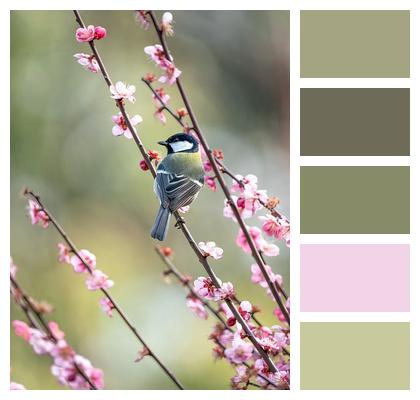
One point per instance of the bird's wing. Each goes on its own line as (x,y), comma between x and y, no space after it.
(175,191)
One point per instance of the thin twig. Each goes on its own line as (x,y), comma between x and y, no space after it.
(115,305)
(219,176)
(180,221)
(28,307)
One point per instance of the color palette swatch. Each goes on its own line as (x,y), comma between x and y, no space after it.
(362,207)
(355,355)
(355,122)
(355,199)
(355,278)
(355,44)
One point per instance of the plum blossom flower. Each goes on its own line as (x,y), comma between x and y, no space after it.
(98,280)
(157,54)
(40,343)
(121,91)
(256,235)
(16,386)
(13,268)
(241,351)
(142,18)
(245,309)
(55,330)
(210,182)
(184,209)
(37,214)
(88,62)
(270,249)
(241,379)
(258,277)
(87,256)
(210,249)
(248,184)
(90,33)
(197,307)
(226,291)
(278,228)
(121,128)
(166,25)
(63,253)
(106,306)
(204,287)
(22,329)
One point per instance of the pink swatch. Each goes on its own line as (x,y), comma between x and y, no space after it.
(355,278)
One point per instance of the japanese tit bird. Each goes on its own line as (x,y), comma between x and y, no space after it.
(179,178)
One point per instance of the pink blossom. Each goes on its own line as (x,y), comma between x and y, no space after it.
(197,307)
(241,379)
(88,62)
(90,33)
(156,54)
(16,386)
(13,268)
(106,306)
(121,91)
(226,338)
(184,209)
(241,351)
(98,280)
(63,253)
(278,228)
(37,214)
(279,314)
(142,18)
(85,34)
(100,32)
(256,235)
(22,329)
(226,291)
(55,330)
(166,25)
(160,97)
(210,249)
(87,256)
(160,115)
(121,127)
(210,182)
(40,343)
(270,249)
(249,184)
(62,353)
(205,288)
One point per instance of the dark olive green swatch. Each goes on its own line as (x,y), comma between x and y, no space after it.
(355,44)
(355,355)
(355,199)
(355,122)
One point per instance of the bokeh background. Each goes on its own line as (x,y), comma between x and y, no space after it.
(236,72)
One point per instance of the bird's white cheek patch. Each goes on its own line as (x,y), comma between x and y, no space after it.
(181,146)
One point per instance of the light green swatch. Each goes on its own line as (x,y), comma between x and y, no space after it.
(357,199)
(355,355)
(355,44)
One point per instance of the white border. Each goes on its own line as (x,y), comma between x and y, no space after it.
(294,6)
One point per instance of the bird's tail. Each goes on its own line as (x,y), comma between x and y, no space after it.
(160,228)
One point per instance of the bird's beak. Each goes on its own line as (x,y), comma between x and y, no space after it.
(163,143)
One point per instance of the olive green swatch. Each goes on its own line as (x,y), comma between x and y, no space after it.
(355,44)
(355,199)
(355,122)
(355,355)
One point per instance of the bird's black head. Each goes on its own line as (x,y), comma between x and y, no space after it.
(180,143)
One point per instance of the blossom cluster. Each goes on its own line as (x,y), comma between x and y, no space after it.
(66,362)
(95,280)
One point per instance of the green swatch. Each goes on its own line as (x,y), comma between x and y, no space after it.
(355,200)
(355,355)
(355,44)
(355,122)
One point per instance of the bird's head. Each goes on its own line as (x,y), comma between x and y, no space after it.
(180,143)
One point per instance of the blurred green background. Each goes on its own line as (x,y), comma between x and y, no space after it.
(236,72)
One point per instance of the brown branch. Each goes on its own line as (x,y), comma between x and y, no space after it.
(27,307)
(180,221)
(118,309)
(219,176)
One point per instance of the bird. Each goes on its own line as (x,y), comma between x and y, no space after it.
(179,178)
